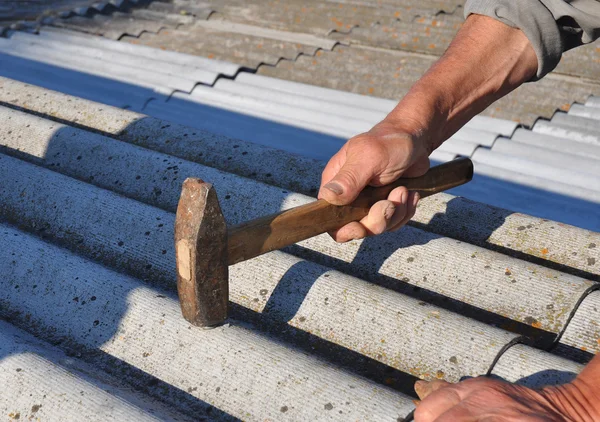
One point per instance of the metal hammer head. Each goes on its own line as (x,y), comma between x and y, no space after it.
(201,255)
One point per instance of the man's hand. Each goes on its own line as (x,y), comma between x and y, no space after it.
(485,399)
(486,60)
(376,158)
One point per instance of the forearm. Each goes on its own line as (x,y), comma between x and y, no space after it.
(486,61)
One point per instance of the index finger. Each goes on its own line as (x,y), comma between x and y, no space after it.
(437,403)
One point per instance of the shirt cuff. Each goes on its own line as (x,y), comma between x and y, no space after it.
(531,17)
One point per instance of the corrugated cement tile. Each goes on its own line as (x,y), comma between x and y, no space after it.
(147,251)
(546,242)
(534,368)
(248,51)
(323,17)
(417,258)
(42,383)
(390,74)
(113,26)
(135,331)
(581,338)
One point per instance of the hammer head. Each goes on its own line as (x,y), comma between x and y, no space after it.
(201,255)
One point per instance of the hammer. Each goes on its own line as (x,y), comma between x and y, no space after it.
(205,247)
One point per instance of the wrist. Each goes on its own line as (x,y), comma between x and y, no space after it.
(577,401)
(408,131)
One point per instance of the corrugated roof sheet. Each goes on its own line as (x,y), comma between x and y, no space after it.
(314,121)
(421,285)
(319,331)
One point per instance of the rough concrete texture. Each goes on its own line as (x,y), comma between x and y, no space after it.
(141,252)
(534,368)
(512,233)
(233,368)
(385,46)
(582,334)
(46,384)
(155,179)
(319,331)
(318,323)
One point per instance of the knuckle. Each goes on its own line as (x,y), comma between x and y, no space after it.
(376,227)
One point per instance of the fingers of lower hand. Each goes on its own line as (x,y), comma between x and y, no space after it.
(438,398)
(349,232)
(411,209)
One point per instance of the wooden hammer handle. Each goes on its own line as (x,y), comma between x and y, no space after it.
(277,231)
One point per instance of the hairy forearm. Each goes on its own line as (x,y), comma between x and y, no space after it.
(485,61)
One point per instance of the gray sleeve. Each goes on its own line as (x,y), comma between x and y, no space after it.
(552,26)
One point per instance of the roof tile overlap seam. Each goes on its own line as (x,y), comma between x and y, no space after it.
(572,316)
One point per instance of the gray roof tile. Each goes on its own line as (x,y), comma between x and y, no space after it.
(325,331)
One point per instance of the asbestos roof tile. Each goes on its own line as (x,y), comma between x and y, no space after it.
(389,74)
(113,27)
(534,368)
(567,131)
(185,60)
(588,112)
(224,373)
(315,326)
(246,51)
(582,61)
(555,143)
(567,160)
(45,383)
(301,174)
(302,291)
(427,35)
(566,173)
(326,17)
(593,101)
(165,173)
(108,64)
(581,338)
(199,10)
(293,37)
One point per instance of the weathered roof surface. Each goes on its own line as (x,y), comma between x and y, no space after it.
(314,121)
(416,309)
(318,331)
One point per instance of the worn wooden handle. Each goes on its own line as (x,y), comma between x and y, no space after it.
(277,231)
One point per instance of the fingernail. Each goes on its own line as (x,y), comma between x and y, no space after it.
(416,198)
(334,187)
(388,212)
(419,385)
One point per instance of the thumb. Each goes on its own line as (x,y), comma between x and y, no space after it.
(345,186)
